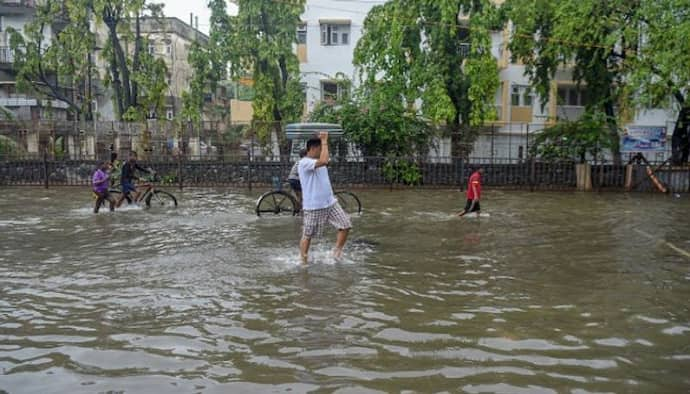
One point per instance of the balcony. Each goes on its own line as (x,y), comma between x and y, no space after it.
(569,112)
(16,7)
(6,56)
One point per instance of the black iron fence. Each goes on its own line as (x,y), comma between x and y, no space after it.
(241,171)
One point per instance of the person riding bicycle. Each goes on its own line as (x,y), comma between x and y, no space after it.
(293,178)
(128,177)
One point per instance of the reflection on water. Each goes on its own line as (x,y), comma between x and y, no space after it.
(546,293)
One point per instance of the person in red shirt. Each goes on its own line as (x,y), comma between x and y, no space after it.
(474,192)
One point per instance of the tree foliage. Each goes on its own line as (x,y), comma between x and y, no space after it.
(260,46)
(627,55)
(55,55)
(421,54)
(51,55)
(209,63)
(661,69)
(137,79)
(572,140)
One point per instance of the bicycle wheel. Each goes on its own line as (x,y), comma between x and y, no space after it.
(116,193)
(350,202)
(161,199)
(276,203)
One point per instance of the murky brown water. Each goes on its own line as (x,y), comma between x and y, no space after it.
(549,293)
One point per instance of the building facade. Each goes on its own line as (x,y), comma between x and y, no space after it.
(326,39)
(169,39)
(16,14)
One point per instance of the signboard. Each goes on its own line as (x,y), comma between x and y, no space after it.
(643,139)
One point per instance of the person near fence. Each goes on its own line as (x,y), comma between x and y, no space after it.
(101,182)
(474,192)
(319,203)
(115,168)
(293,178)
(127,178)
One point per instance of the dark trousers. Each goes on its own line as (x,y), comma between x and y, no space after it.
(101,199)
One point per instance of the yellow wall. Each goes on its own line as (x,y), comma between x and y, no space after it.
(521,114)
(302,53)
(553,101)
(241,111)
(505,101)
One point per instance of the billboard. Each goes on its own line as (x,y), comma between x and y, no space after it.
(643,139)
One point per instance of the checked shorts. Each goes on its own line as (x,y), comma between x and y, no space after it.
(315,220)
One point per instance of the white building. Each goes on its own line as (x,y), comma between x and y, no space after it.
(329,35)
(16,14)
(327,38)
(520,112)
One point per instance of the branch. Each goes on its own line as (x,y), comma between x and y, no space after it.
(54,92)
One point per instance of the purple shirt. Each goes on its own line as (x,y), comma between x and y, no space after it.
(99,176)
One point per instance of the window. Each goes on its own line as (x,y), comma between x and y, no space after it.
(302,33)
(170,114)
(572,96)
(168,49)
(521,96)
(331,91)
(152,48)
(465,49)
(335,34)
(151,114)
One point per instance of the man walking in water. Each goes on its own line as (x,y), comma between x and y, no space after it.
(474,192)
(319,205)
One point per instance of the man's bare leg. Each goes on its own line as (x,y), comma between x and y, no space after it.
(304,249)
(340,243)
(120,200)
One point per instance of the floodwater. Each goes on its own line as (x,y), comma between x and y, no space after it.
(547,293)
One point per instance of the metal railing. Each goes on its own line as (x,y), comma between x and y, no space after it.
(241,171)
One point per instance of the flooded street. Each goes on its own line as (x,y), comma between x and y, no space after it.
(547,293)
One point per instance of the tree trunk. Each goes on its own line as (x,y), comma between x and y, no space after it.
(680,141)
(457,148)
(613,132)
(114,70)
(119,67)
(136,61)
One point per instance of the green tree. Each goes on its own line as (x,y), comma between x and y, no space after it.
(422,51)
(594,38)
(51,55)
(662,65)
(209,63)
(138,81)
(572,140)
(260,45)
(378,123)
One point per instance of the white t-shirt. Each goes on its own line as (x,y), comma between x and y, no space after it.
(317,192)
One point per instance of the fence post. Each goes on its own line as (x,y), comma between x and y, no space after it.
(45,168)
(532,171)
(179,171)
(249,167)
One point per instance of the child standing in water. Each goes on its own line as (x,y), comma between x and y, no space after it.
(101,182)
(474,193)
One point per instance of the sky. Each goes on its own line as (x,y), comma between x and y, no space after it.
(182,8)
